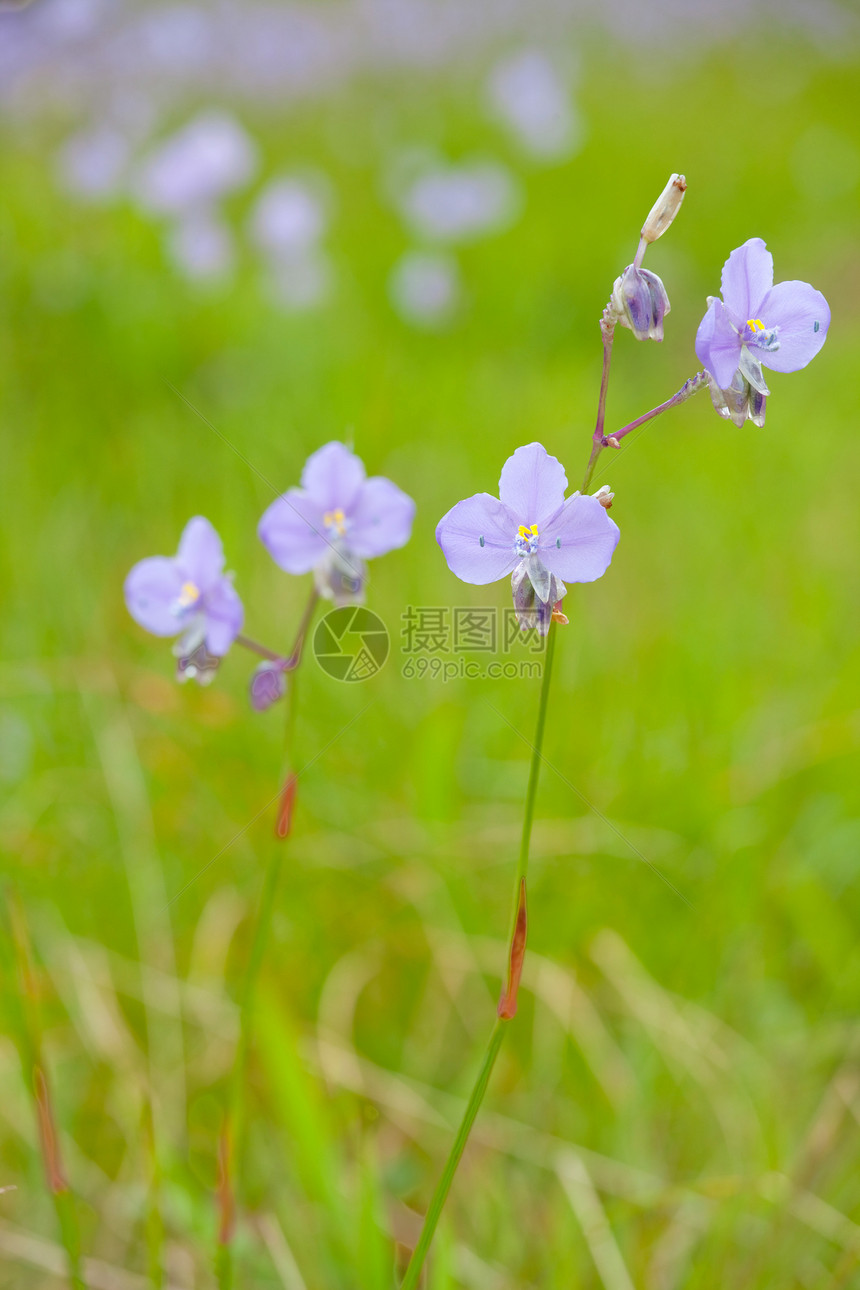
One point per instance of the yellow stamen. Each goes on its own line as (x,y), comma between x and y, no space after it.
(756,324)
(336,520)
(188,595)
(528,532)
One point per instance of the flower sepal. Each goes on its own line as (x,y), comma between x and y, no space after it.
(740,401)
(750,369)
(341,576)
(194,662)
(536,592)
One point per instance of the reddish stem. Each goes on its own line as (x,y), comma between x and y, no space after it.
(48,1133)
(508,1002)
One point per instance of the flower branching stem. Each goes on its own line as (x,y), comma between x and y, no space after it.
(256,648)
(508,1002)
(690,387)
(687,390)
(291,662)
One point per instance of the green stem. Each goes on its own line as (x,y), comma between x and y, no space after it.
(67,1220)
(234,1122)
(534,773)
(476,1097)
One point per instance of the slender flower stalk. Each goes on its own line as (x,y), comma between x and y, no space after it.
(476,1097)
(607,331)
(256,648)
(232,1130)
(687,390)
(508,1002)
(534,775)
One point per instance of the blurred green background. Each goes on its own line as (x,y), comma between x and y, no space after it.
(678,1101)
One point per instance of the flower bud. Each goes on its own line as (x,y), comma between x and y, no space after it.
(641,302)
(604,496)
(740,402)
(665,208)
(268,684)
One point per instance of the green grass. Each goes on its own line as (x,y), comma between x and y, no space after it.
(677,1102)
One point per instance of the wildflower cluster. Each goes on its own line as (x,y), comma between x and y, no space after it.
(533,532)
(330,526)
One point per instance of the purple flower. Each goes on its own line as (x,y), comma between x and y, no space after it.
(188,595)
(531,532)
(203,161)
(336,521)
(755,325)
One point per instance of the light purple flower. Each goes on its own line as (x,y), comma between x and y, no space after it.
(456,203)
(187,595)
(335,521)
(289,216)
(425,288)
(527,91)
(299,280)
(529,531)
(201,246)
(210,156)
(93,163)
(755,325)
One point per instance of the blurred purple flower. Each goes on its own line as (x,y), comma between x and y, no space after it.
(93,163)
(528,94)
(181,38)
(208,158)
(531,532)
(457,202)
(755,325)
(268,684)
(201,246)
(289,215)
(425,288)
(188,595)
(336,521)
(299,280)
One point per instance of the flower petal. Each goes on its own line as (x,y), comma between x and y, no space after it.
(747,278)
(200,555)
(380,519)
(151,591)
(795,308)
(577,543)
(718,345)
(533,484)
(293,533)
(333,476)
(224,616)
(477,539)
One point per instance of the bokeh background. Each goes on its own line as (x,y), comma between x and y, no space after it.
(228,234)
